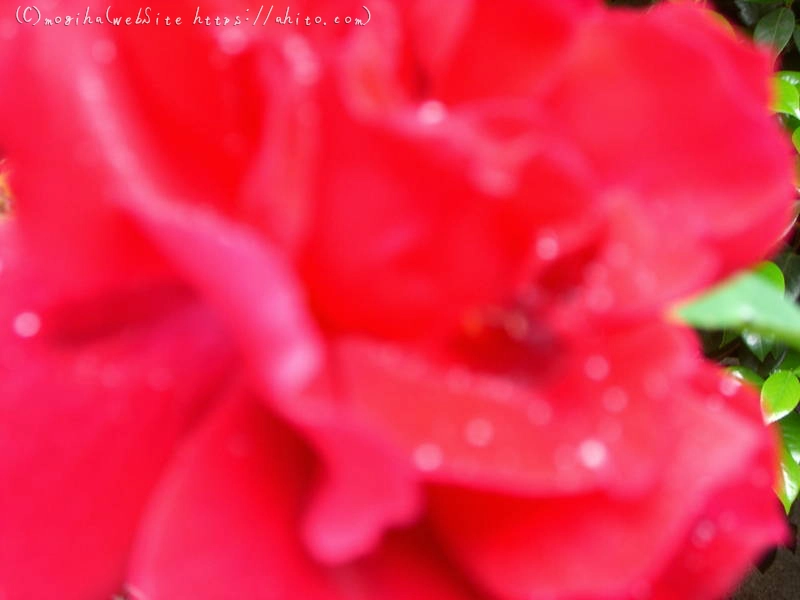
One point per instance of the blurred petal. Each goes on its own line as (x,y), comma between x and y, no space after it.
(738,521)
(606,421)
(508,50)
(77,403)
(95,236)
(223,525)
(102,112)
(409,564)
(415,207)
(365,487)
(524,547)
(644,94)
(249,282)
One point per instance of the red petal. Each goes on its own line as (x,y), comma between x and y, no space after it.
(248,281)
(409,564)
(411,214)
(101,112)
(643,94)
(225,523)
(365,486)
(88,417)
(508,50)
(264,307)
(596,546)
(738,521)
(606,423)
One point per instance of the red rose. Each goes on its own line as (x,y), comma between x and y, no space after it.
(376,312)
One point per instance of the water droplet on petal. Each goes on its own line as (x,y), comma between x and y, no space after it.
(431,112)
(547,247)
(305,65)
(592,454)
(27,324)
(133,593)
(600,299)
(496,181)
(703,533)
(596,368)
(91,89)
(645,281)
(232,41)
(428,457)
(615,399)
(479,432)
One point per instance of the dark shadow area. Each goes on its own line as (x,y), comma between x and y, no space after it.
(778,575)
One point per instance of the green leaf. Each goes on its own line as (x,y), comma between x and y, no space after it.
(796,139)
(747,12)
(789,483)
(790,432)
(775,28)
(746,302)
(796,37)
(745,374)
(727,337)
(780,395)
(771,273)
(792,77)
(789,264)
(789,480)
(786,98)
(760,345)
(790,362)
(790,122)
